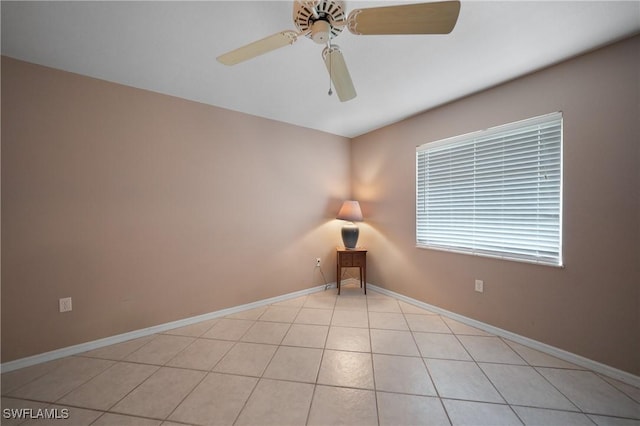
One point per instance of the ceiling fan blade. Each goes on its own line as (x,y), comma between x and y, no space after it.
(259,47)
(421,18)
(339,73)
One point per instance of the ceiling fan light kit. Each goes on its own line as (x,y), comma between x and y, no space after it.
(323,20)
(320,32)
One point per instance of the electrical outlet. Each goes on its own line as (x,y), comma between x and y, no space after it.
(479,286)
(317,262)
(65,304)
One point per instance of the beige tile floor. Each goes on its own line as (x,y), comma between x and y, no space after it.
(321,359)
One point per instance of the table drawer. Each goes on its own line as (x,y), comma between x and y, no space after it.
(346,259)
(358,259)
(353,259)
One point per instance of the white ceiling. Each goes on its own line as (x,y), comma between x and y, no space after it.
(170,47)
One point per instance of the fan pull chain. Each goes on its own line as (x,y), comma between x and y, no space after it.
(330,67)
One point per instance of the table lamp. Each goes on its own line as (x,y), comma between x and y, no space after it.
(350,211)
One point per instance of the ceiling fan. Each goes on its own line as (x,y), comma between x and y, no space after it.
(324,20)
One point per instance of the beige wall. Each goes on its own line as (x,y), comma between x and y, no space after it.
(143,208)
(590,307)
(147,209)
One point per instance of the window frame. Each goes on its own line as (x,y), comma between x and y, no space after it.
(474,139)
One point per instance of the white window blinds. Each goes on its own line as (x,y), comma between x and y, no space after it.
(496,192)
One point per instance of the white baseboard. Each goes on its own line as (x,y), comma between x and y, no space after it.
(587,363)
(604,369)
(96,344)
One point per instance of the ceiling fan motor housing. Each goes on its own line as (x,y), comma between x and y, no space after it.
(320,32)
(320,20)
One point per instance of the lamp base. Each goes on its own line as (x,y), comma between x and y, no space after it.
(350,235)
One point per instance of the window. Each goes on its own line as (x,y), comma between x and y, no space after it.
(497,192)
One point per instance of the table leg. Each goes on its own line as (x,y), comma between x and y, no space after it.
(364,274)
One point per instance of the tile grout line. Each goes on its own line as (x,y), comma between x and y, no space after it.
(290,323)
(373,368)
(187,395)
(544,378)
(261,376)
(620,388)
(580,409)
(446,412)
(473,359)
(204,377)
(489,379)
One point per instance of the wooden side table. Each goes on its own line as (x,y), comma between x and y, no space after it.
(352,258)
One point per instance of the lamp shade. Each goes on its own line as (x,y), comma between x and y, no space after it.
(350,211)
